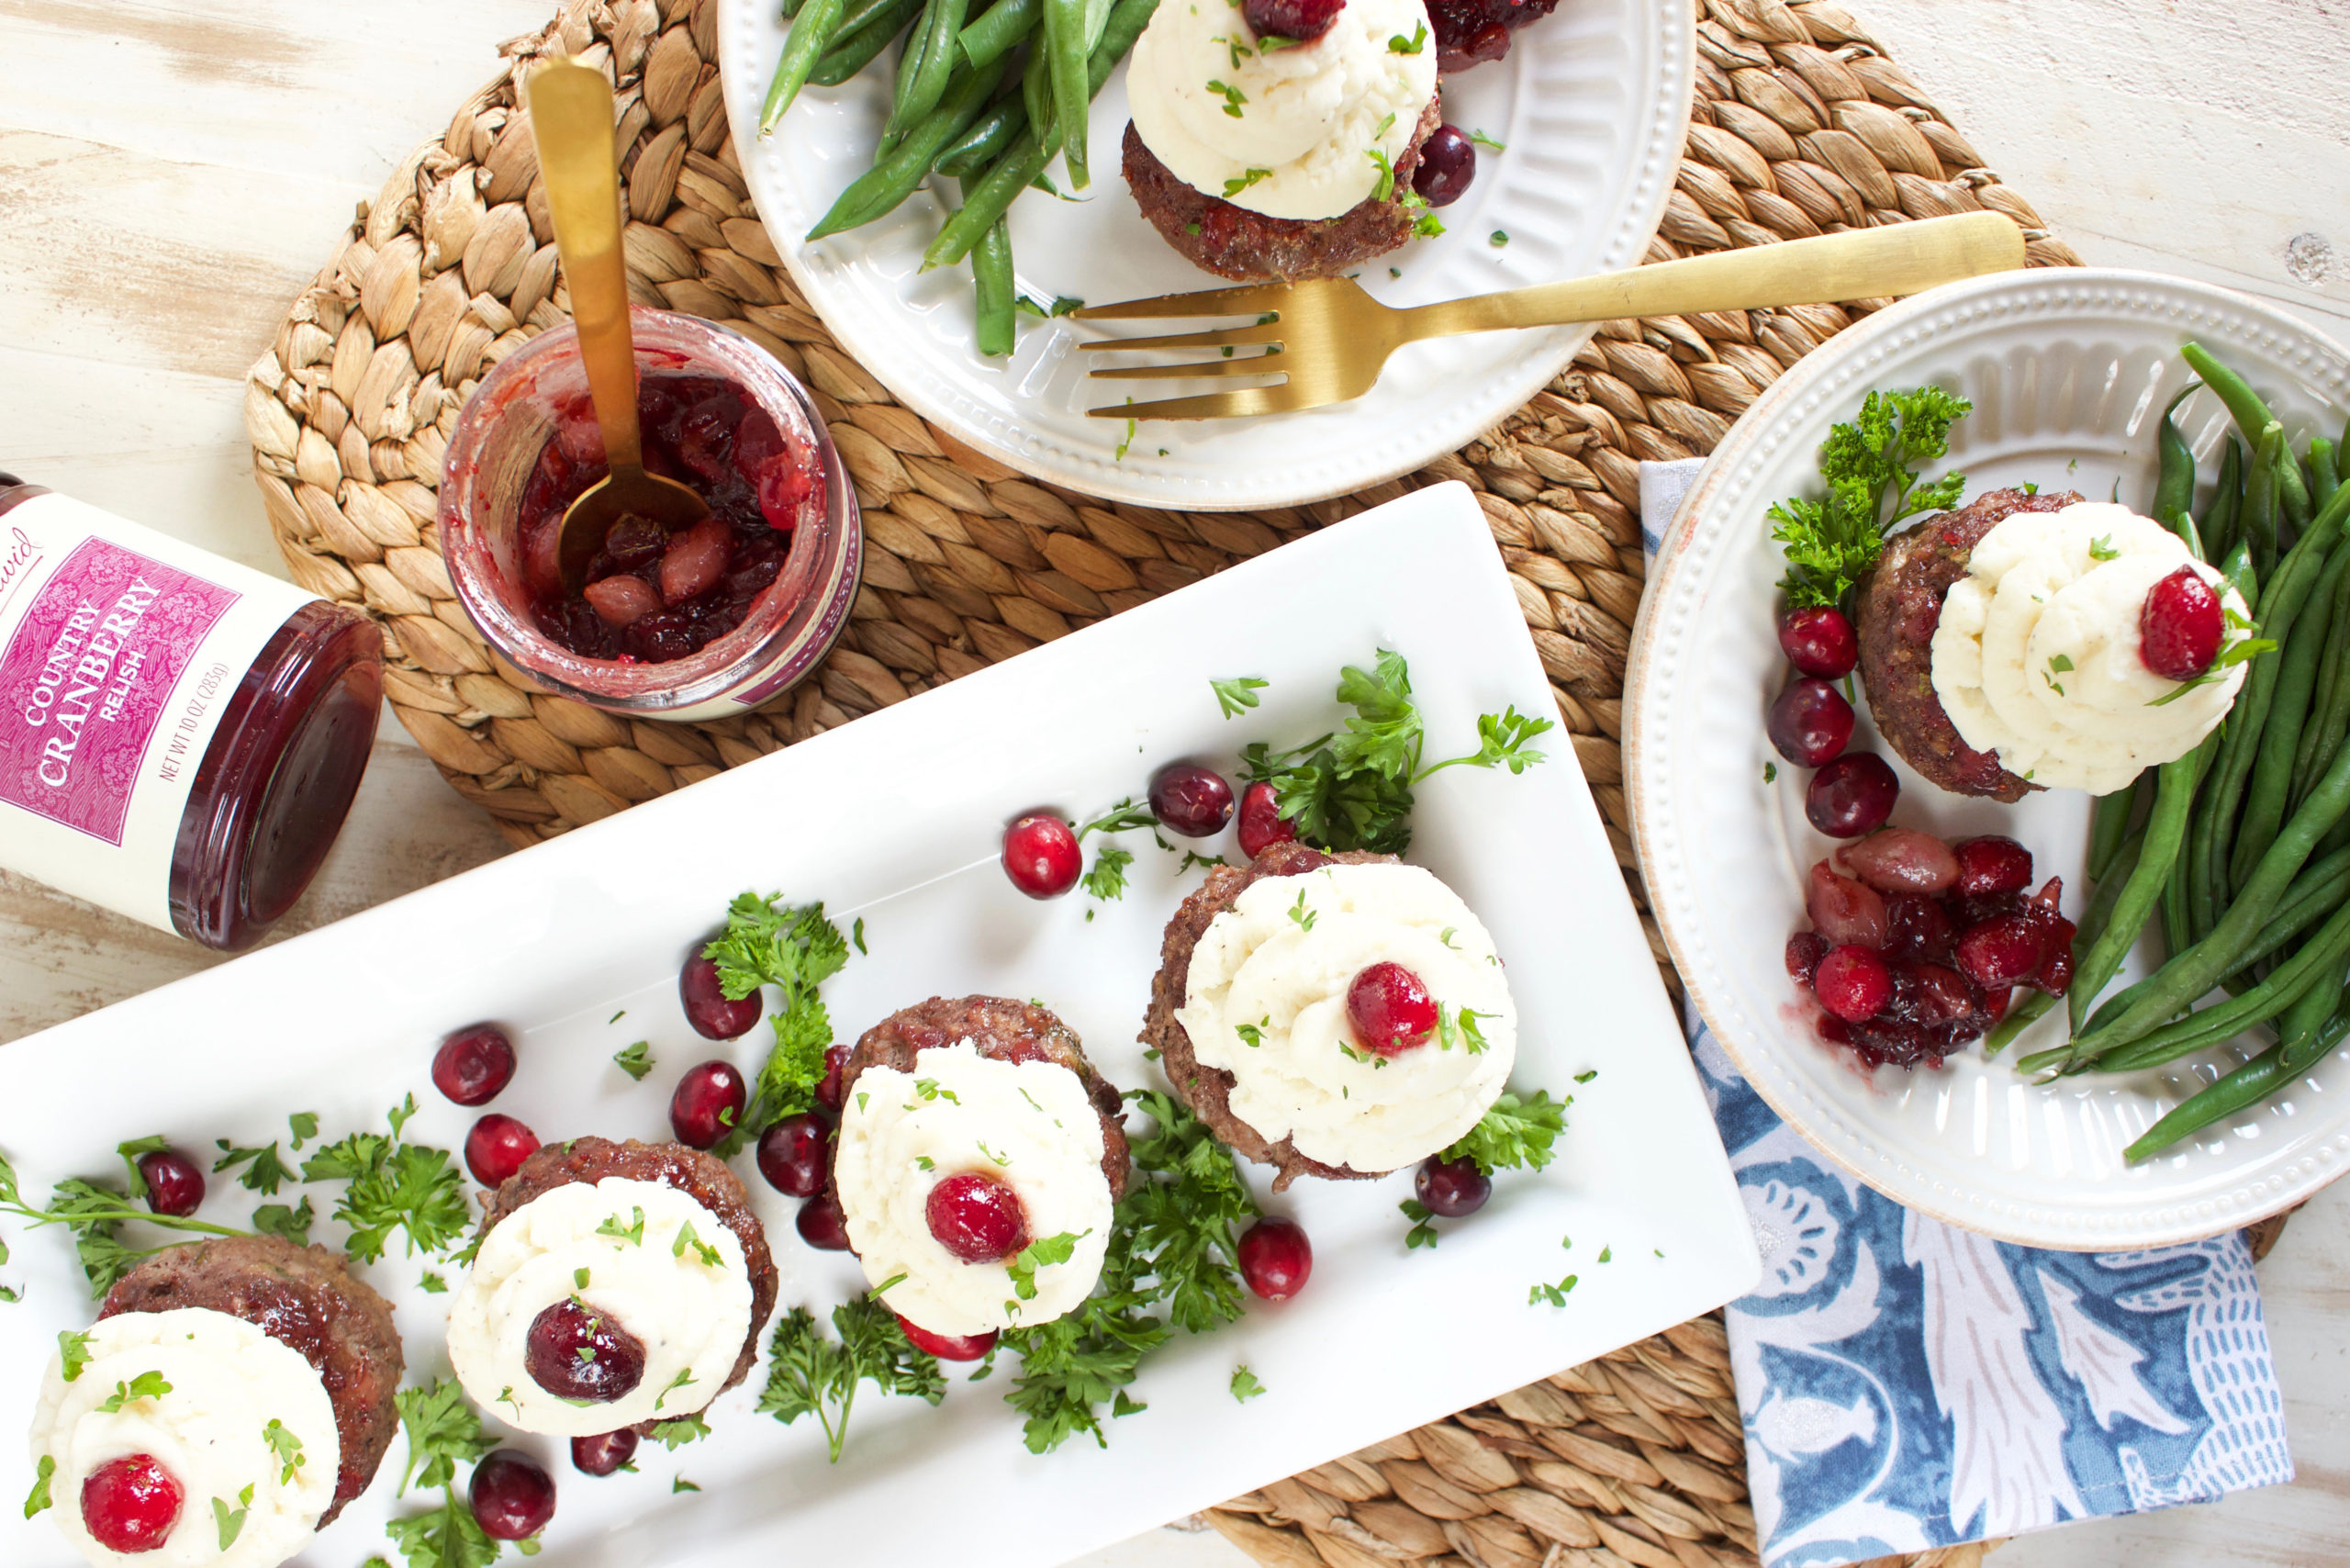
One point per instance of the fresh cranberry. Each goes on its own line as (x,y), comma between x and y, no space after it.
(708,1103)
(1299,19)
(2180,628)
(1275,1258)
(1852,983)
(1899,860)
(1819,642)
(1810,722)
(497,1146)
(513,1498)
(131,1504)
(604,1454)
(1191,801)
(1041,855)
(174,1182)
(795,1156)
(622,600)
(828,1088)
(1918,928)
(712,1013)
(1447,165)
(822,1223)
(1804,949)
(1852,795)
(1390,1009)
(576,1351)
(1845,913)
(1261,823)
(977,1217)
(1990,865)
(473,1065)
(1451,1188)
(946,1347)
(2003,952)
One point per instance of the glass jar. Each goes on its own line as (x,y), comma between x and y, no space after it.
(511,418)
(180,736)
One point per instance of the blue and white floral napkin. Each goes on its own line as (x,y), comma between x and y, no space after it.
(1906,1384)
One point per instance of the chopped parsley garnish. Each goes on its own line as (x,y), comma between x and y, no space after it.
(1120,817)
(580,1278)
(1242,181)
(393,1186)
(631,1233)
(444,1432)
(685,1376)
(1352,789)
(134,1180)
(1770,772)
(1497,239)
(1245,1386)
(1253,1035)
(710,1255)
(1399,44)
(1108,878)
(810,1374)
(1460,1024)
(1555,1295)
(680,1483)
(1303,917)
(1515,1131)
(259,1170)
(2244,643)
(1237,697)
(231,1523)
(1384,189)
(929,1090)
(293,1223)
(1273,44)
(2101,548)
(678,1432)
(146,1386)
(796,949)
(1422,1233)
(285,1446)
(1482,140)
(1205,862)
(925,1163)
(2058,664)
(1871,467)
(1606,1254)
(1000,1160)
(636,1061)
(73,1352)
(1126,442)
(39,1500)
(1038,1254)
(1233,97)
(856,932)
(1586,1075)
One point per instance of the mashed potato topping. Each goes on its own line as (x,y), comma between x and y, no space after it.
(2036,655)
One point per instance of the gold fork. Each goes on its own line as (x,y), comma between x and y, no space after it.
(1328,341)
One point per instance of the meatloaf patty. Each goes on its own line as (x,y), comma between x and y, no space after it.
(1208,1089)
(306,1298)
(1899,604)
(1002,1029)
(1249,247)
(704,1178)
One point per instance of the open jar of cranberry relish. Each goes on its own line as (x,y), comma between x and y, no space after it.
(708,622)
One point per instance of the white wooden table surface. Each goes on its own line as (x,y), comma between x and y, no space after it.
(172,173)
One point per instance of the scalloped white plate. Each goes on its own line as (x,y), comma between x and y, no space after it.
(2068,371)
(1591,104)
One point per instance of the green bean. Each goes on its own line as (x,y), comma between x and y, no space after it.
(992,274)
(2325,474)
(2217,523)
(1037,90)
(879,189)
(2259,519)
(2329,707)
(2095,921)
(2190,974)
(2324,955)
(2174,481)
(855,49)
(2247,1085)
(1063,39)
(2110,824)
(943,27)
(2214,825)
(2022,1016)
(2280,735)
(984,142)
(790,9)
(2252,416)
(812,34)
(2166,827)
(999,29)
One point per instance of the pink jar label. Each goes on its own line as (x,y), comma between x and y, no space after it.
(86,680)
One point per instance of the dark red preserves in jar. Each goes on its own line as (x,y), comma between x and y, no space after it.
(180,736)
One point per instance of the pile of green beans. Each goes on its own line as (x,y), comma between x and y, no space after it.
(2238,853)
(965,102)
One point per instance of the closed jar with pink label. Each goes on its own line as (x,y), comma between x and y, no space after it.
(180,735)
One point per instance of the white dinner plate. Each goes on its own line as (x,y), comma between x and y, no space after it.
(2068,371)
(574,948)
(1592,103)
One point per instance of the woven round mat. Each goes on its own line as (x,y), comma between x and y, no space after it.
(1801,126)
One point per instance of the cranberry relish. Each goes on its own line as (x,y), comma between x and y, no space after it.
(652,598)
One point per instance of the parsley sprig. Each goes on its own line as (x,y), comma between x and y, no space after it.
(95,1213)
(794,948)
(1352,789)
(409,1187)
(1872,468)
(809,1374)
(1517,1132)
(444,1432)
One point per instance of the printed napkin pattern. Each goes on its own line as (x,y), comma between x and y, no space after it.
(1907,1384)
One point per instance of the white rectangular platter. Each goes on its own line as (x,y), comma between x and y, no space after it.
(895,819)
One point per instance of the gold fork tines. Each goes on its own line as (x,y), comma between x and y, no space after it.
(1327,340)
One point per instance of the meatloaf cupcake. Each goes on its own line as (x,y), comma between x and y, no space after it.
(1340,1017)
(1278,140)
(246,1379)
(615,1284)
(973,1129)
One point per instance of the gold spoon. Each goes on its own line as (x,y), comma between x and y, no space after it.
(572,121)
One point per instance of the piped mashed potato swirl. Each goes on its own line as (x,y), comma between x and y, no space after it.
(1277,965)
(2036,656)
(1285,131)
(228,1382)
(662,1266)
(1027,1124)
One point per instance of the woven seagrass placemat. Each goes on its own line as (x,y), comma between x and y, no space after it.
(1801,126)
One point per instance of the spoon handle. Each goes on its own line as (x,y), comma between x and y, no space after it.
(572,121)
